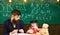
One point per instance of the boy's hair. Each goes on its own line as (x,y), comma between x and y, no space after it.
(15,12)
(33,21)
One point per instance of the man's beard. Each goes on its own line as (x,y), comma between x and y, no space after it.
(15,21)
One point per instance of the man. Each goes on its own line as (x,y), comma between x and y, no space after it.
(14,24)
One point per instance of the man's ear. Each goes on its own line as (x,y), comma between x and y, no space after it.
(12,16)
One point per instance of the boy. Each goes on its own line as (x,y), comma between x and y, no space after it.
(34,28)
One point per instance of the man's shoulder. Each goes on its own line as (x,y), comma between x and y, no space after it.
(7,20)
(21,22)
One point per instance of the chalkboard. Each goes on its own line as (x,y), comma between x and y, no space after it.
(44,11)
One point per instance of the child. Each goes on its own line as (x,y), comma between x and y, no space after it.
(34,28)
(44,30)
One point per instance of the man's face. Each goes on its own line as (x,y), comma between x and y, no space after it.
(16,19)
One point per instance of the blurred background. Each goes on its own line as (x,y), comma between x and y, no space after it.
(44,11)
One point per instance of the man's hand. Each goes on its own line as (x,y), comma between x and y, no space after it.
(21,31)
(14,31)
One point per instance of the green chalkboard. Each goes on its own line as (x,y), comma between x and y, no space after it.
(44,11)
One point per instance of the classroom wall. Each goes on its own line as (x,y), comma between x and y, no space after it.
(45,11)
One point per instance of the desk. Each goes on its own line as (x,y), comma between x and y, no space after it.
(24,34)
(20,34)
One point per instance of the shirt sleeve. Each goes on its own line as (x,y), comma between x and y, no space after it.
(22,26)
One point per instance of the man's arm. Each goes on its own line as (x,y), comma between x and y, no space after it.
(22,26)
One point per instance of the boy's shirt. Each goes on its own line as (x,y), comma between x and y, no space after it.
(33,30)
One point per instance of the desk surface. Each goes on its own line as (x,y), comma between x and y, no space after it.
(20,34)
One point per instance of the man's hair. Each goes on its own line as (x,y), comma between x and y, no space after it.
(15,12)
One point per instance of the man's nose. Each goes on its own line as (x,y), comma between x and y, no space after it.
(18,18)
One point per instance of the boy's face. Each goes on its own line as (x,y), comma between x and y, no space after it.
(33,24)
